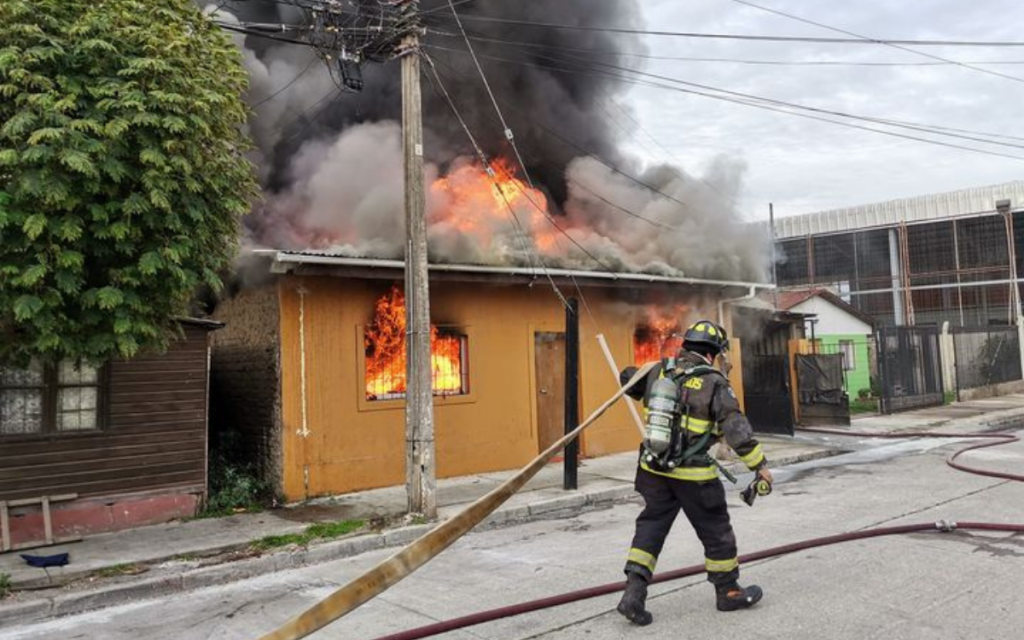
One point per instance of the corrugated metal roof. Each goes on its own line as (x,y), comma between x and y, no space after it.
(284,258)
(939,205)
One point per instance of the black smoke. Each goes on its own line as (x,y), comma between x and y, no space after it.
(544,90)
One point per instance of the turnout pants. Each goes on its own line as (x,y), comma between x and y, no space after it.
(704,505)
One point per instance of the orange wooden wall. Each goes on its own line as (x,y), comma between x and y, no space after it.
(336,442)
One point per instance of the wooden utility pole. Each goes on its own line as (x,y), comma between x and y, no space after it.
(420,473)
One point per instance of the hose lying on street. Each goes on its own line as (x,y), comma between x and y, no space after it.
(606,589)
(423,549)
(1000,439)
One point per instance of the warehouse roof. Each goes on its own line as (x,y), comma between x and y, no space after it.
(929,207)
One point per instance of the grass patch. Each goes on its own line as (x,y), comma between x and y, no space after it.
(5,585)
(863,405)
(318,531)
(949,397)
(127,569)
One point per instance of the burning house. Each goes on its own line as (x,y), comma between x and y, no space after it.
(310,367)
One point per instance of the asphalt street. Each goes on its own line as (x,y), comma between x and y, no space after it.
(927,585)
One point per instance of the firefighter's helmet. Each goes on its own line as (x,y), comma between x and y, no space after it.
(707,333)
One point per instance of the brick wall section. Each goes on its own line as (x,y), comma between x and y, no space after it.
(245,396)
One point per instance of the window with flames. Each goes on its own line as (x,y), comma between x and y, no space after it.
(655,343)
(385,354)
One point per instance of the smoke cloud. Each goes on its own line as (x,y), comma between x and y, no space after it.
(330,161)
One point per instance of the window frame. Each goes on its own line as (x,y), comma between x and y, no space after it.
(51,391)
(849,364)
(468,332)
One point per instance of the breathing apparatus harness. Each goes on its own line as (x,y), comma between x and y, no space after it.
(667,442)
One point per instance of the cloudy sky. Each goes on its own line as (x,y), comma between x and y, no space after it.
(801,165)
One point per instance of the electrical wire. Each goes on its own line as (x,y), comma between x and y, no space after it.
(289,84)
(900,47)
(732,60)
(752,101)
(483,159)
(746,61)
(522,165)
(487,85)
(587,152)
(734,36)
(581,62)
(783,103)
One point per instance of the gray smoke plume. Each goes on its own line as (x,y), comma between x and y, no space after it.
(330,161)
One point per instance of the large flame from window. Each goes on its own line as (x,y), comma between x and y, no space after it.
(384,344)
(660,334)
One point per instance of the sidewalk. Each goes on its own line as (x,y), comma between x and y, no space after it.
(187,555)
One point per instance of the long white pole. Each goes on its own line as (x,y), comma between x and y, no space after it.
(615,372)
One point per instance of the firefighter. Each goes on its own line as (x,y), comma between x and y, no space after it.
(676,472)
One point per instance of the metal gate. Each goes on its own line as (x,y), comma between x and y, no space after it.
(986,356)
(909,368)
(767,399)
(821,389)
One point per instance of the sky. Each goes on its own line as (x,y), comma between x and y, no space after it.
(804,166)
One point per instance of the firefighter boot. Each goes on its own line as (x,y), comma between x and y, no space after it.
(633,600)
(732,596)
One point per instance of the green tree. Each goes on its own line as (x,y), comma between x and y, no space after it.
(122,172)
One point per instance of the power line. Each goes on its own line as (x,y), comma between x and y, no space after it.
(900,47)
(487,85)
(290,83)
(583,62)
(597,158)
(753,101)
(483,158)
(734,36)
(745,61)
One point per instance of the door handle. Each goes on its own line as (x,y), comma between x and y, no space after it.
(544,392)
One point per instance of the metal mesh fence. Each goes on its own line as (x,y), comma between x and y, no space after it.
(962,271)
(986,356)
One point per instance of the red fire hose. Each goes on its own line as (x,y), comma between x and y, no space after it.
(592,592)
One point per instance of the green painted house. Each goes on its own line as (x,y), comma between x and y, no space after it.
(838,327)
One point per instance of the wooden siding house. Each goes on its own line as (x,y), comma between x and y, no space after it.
(306,368)
(128,440)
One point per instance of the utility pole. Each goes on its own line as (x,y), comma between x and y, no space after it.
(572,383)
(420,468)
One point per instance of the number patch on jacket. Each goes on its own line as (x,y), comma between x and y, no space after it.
(694,383)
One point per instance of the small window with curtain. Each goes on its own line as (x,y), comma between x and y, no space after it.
(45,399)
(846,347)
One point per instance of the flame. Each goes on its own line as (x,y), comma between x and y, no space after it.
(477,203)
(384,344)
(660,334)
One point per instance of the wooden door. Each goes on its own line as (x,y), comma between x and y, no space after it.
(549,361)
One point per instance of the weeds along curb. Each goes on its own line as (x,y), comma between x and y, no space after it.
(64,604)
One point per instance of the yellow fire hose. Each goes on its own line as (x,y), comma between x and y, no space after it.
(422,550)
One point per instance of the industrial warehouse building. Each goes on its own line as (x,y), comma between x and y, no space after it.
(950,257)
(939,275)
(309,366)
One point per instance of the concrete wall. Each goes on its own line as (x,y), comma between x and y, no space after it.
(335,441)
(245,369)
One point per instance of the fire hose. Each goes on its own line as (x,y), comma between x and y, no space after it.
(381,577)
(423,549)
(941,526)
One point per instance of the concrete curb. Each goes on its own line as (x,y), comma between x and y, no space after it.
(62,604)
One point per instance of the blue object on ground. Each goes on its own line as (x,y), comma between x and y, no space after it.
(42,562)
